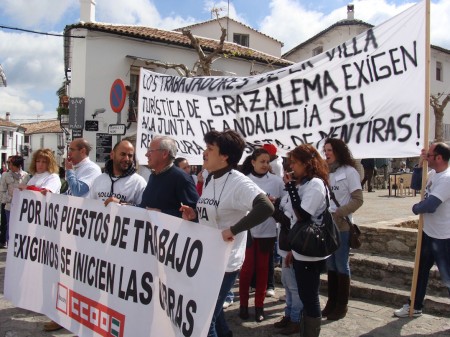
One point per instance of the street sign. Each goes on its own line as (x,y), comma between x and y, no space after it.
(117,95)
(76,112)
(117,129)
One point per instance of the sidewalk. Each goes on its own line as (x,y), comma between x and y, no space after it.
(364,318)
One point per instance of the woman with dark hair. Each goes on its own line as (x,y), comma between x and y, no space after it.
(9,181)
(346,186)
(263,238)
(233,204)
(309,175)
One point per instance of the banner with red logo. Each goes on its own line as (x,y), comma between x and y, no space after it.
(112,271)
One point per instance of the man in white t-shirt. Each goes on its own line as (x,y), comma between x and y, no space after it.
(80,170)
(435,208)
(120,182)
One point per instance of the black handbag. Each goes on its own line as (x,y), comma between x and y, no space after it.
(354,237)
(311,239)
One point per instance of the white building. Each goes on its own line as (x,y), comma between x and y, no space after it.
(12,136)
(238,33)
(43,135)
(96,54)
(345,30)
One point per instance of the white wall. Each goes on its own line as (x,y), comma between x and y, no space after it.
(257,41)
(100,59)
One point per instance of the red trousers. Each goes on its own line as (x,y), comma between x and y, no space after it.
(257,261)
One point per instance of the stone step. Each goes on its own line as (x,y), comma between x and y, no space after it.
(395,272)
(381,292)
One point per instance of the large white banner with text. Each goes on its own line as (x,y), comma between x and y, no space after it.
(368,91)
(112,271)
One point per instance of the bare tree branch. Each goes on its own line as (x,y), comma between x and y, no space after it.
(181,69)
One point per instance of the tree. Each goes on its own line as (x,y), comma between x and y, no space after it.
(438,109)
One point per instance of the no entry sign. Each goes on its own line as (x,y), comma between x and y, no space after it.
(117,95)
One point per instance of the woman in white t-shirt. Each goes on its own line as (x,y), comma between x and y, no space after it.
(231,202)
(263,237)
(310,175)
(346,185)
(44,171)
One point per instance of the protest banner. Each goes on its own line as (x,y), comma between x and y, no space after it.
(368,91)
(112,271)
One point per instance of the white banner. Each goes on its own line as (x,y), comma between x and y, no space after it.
(368,91)
(112,271)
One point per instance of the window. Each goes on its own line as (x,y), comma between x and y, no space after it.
(439,71)
(446,132)
(5,138)
(317,51)
(27,139)
(242,39)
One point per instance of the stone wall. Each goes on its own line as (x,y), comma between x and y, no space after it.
(394,238)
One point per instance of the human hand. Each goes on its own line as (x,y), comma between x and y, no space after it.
(288,176)
(187,212)
(111,199)
(288,259)
(68,165)
(227,235)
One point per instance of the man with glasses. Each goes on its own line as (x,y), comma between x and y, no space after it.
(168,186)
(80,170)
(435,208)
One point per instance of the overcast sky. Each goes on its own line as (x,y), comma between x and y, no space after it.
(33,64)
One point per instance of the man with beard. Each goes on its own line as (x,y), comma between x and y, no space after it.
(119,183)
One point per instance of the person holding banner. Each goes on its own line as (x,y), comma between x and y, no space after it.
(80,170)
(232,203)
(168,186)
(435,208)
(45,172)
(346,187)
(120,182)
(9,181)
(257,255)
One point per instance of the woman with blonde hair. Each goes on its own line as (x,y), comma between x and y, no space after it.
(44,171)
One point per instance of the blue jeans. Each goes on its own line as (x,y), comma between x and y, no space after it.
(432,251)
(339,260)
(307,275)
(219,326)
(294,305)
(230,297)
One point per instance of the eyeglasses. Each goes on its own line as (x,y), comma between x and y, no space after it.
(150,150)
(72,149)
(431,155)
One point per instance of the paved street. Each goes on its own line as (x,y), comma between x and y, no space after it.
(364,318)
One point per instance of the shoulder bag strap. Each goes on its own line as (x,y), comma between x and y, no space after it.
(333,197)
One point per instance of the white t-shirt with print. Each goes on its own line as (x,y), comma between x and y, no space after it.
(437,224)
(127,189)
(344,181)
(46,180)
(225,201)
(273,186)
(312,195)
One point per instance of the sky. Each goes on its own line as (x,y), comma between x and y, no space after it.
(33,63)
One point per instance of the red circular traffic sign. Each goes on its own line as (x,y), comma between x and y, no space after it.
(117,95)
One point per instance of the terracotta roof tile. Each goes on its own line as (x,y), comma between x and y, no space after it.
(4,122)
(49,126)
(177,38)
